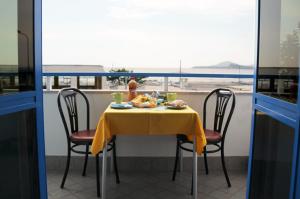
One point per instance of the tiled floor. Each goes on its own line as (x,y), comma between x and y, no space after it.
(138,185)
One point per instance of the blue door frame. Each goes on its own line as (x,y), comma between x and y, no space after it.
(12,103)
(39,97)
(272,108)
(285,112)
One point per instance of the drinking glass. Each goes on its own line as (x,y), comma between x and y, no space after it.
(117,97)
(171,97)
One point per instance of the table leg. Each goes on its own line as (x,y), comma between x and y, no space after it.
(195,181)
(104,158)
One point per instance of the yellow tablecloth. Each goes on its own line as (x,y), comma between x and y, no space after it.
(153,121)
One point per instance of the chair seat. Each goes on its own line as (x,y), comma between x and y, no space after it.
(83,136)
(212,136)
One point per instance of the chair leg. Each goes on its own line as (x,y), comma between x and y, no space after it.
(85,160)
(180,160)
(97,175)
(176,161)
(66,169)
(115,163)
(224,167)
(205,161)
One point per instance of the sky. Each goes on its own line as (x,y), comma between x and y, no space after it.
(148,33)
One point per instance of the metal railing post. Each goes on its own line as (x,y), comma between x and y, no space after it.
(166,82)
(49,83)
(74,82)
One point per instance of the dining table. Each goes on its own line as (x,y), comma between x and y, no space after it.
(160,120)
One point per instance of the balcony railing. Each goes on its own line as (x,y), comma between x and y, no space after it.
(118,74)
(167,77)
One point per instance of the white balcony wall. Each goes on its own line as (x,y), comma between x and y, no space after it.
(237,139)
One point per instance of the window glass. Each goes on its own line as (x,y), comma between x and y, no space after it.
(272,158)
(279,54)
(16,46)
(18,156)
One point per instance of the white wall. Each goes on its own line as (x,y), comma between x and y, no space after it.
(237,138)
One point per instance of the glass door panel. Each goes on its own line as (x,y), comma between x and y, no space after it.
(279,54)
(272,158)
(18,156)
(16,46)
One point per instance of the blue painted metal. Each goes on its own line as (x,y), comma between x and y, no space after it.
(276,109)
(293,180)
(250,154)
(275,101)
(13,105)
(285,112)
(276,115)
(39,98)
(256,52)
(47,74)
(297,192)
(6,104)
(15,96)
(297,173)
(288,121)
(17,108)
(20,101)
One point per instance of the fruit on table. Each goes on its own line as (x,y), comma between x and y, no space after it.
(143,101)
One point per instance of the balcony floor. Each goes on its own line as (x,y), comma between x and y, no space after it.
(147,185)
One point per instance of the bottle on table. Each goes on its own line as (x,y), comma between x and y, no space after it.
(132,86)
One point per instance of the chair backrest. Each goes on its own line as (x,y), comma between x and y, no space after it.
(222,96)
(70,98)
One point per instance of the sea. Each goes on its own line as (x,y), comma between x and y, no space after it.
(202,70)
(207,70)
(196,82)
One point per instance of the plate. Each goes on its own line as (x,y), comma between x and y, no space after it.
(121,106)
(176,107)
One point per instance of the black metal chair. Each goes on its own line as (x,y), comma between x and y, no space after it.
(76,137)
(216,136)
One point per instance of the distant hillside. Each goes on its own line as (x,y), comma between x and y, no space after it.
(226,64)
